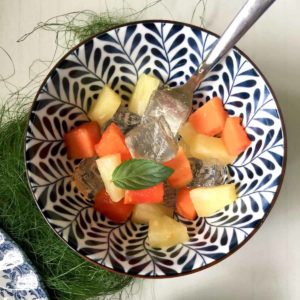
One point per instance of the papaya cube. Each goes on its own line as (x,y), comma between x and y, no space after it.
(182,174)
(210,118)
(154,194)
(116,211)
(184,204)
(81,140)
(112,142)
(234,136)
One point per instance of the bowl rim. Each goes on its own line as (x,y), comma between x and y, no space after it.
(276,194)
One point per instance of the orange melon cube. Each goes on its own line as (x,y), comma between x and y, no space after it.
(81,140)
(154,194)
(210,118)
(113,142)
(184,204)
(116,211)
(234,136)
(182,174)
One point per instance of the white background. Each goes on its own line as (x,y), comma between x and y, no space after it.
(267,267)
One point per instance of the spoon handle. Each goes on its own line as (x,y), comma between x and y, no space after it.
(246,17)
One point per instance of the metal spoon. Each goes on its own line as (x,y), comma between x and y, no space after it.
(181,97)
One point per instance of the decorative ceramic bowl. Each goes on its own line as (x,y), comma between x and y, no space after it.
(18,278)
(172,52)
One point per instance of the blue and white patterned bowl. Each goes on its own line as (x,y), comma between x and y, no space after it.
(18,278)
(172,52)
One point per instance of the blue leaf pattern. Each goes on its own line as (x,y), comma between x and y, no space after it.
(171,52)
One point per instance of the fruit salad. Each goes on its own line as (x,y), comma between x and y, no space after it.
(136,164)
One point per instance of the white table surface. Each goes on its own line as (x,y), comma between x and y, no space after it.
(268,266)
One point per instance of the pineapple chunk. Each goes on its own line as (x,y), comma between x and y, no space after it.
(188,133)
(143,213)
(106,166)
(185,147)
(166,232)
(205,147)
(208,200)
(105,106)
(139,100)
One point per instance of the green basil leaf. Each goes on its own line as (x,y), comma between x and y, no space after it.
(139,174)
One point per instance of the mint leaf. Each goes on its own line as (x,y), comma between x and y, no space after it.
(139,174)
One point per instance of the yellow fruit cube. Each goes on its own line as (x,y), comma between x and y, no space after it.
(105,106)
(143,90)
(208,200)
(188,133)
(205,147)
(106,166)
(185,147)
(166,232)
(143,213)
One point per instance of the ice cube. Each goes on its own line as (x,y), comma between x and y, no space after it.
(152,139)
(206,173)
(172,105)
(125,119)
(170,195)
(87,178)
